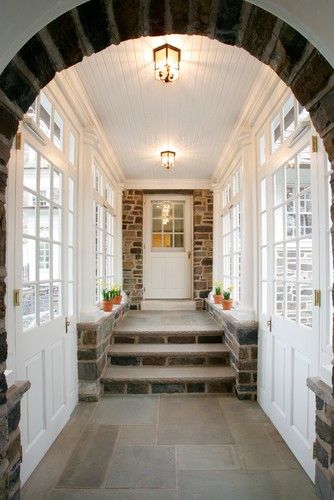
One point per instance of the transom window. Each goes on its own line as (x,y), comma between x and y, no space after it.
(42,276)
(168,225)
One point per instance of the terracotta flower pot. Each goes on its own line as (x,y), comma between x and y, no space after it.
(107,305)
(117,299)
(227,304)
(217,299)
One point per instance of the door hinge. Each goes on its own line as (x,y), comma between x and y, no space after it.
(317,298)
(18,141)
(67,324)
(270,324)
(16,297)
(314,144)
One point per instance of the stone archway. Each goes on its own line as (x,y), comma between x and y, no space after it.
(97,24)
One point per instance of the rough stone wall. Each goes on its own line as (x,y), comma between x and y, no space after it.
(324,442)
(95,25)
(132,224)
(241,338)
(93,340)
(203,245)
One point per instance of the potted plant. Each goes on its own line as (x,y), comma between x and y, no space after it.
(117,294)
(217,296)
(107,301)
(227,302)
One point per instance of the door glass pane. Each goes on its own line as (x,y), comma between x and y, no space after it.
(306,304)
(279,261)
(305,213)
(168,227)
(168,241)
(30,168)
(70,228)
(305,260)
(279,299)
(29,260)
(56,223)
(57,299)
(44,303)
(276,133)
(29,306)
(291,304)
(178,225)
(289,117)
(291,219)
(291,261)
(178,211)
(156,210)
(44,260)
(29,213)
(57,274)
(304,165)
(178,243)
(44,219)
(157,225)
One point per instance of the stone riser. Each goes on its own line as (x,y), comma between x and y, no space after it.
(130,387)
(163,360)
(129,338)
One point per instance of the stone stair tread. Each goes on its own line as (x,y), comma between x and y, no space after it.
(172,349)
(168,374)
(168,331)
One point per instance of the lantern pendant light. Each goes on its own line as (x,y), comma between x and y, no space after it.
(167,159)
(167,63)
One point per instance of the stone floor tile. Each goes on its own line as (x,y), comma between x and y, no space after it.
(107,494)
(49,470)
(273,433)
(128,410)
(250,412)
(287,455)
(204,457)
(293,485)
(88,464)
(143,467)
(230,485)
(248,432)
(263,456)
(137,434)
(190,410)
(195,434)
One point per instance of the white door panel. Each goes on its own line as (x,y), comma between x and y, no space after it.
(45,353)
(167,255)
(288,276)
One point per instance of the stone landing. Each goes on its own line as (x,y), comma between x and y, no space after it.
(168,352)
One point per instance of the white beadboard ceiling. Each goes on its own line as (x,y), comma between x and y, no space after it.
(193,116)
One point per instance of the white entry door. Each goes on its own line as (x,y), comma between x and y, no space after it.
(168,247)
(45,284)
(289,318)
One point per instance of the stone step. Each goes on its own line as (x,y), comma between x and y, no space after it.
(168,305)
(156,380)
(168,337)
(168,354)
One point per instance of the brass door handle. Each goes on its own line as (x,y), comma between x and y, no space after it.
(67,324)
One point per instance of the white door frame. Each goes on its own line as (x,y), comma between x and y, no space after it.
(148,198)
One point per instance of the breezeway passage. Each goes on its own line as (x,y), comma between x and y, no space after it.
(168,447)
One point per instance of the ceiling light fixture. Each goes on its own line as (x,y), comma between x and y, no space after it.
(167,63)
(167,159)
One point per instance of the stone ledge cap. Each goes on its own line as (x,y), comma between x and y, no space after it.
(321,389)
(16,392)
(240,324)
(92,325)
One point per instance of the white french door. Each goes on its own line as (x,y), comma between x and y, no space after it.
(168,247)
(289,318)
(45,316)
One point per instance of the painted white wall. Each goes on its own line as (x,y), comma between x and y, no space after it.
(19,21)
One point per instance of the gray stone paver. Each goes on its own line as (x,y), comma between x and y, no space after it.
(171,321)
(169,447)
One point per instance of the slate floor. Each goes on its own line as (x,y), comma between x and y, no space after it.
(169,447)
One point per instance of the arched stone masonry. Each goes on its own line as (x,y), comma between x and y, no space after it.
(97,24)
